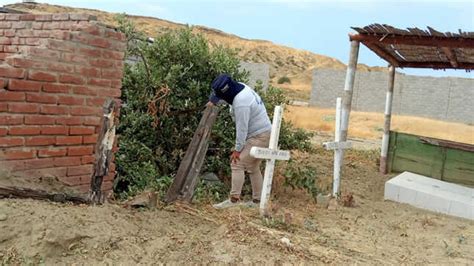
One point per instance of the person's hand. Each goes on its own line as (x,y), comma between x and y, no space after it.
(209,104)
(235,156)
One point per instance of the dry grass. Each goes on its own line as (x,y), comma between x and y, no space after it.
(370,125)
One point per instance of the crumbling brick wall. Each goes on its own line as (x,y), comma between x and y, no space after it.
(56,71)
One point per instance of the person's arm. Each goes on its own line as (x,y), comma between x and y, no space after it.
(242,117)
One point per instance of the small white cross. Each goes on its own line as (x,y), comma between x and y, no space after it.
(338,146)
(271,155)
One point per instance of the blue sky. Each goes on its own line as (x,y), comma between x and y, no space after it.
(318,26)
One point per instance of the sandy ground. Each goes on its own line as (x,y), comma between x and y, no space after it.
(373,232)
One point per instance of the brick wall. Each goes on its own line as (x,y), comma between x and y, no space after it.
(445,98)
(56,70)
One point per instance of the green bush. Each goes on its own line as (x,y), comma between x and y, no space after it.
(284,79)
(163,96)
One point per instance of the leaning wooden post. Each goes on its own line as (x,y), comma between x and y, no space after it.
(103,150)
(388,119)
(338,153)
(347,100)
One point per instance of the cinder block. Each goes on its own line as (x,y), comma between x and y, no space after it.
(431,194)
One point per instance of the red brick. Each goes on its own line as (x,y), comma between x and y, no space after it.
(54,109)
(87,159)
(91,52)
(23,108)
(39,120)
(12,16)
(70,140)
(99,82)
(6,41)
(54,130)
(11,49)
(71,79)
(109,93)
(11,120)
(40,98)
(52,152)
(24,130)
(80,150)
(3,107)
(115,35)
(93,30)
(90,139)
(79,170)
(60,45)
(84,91)
(81,130)
(56,172)
(60,17)
(108,185)
(5,24)
(71,100)
(25,33)
(74,58)
(39,163)
(84,110)
(24,17)
(43,17)
(102,63)
(19,154)
(3,131)
(24,62)
(67,161)
(32,41)
(99,42)
(92,121)
(9,33)
(70,120)
(116,83)
(83,180)
(40,141)
(56,88)
(11,141)
(11,72)
(60,67)
(81,16)
(11,96)
(88,71)
(112,74)
(42,76)
(43,52)
(96,101)
(24,85)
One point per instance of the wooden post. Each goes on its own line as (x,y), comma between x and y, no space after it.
(338,153)
(347,101)
(388,118)
(103,150)
(187,176)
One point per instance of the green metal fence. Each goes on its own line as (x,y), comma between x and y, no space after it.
(445,160)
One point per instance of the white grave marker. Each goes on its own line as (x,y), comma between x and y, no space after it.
(338,148)
(271,154)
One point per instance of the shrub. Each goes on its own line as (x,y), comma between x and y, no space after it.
(284,79)
(163,95)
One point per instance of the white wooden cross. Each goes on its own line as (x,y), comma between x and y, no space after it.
(338,146)
(271,154)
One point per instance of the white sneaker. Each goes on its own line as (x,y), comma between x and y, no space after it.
(226,204)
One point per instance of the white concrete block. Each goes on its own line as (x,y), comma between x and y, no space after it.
(431,194)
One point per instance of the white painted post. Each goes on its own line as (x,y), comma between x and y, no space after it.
(337,152)
(347,104)
(387,122)
(270,166)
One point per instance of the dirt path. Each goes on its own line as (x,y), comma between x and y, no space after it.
(372,232)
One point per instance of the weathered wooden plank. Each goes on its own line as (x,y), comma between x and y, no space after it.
(19,192)
(187,176)
(103,150)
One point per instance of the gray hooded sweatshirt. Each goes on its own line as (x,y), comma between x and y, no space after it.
(250,116)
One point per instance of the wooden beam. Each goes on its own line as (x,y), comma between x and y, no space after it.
(437,65)
(451,56)
(22,193)
(382,53)
(187,177)
(433,41)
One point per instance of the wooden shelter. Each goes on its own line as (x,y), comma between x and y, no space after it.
(410,48)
